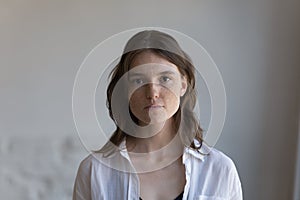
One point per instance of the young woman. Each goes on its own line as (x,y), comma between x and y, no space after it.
(157,151)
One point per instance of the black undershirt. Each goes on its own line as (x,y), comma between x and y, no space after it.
(179,197)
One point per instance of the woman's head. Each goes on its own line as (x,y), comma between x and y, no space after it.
(155,86)
(160,86)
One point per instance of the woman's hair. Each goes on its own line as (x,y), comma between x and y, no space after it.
(165,46)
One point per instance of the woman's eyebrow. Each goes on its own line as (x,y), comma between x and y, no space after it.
(135,74)
(160,73)
(167,73)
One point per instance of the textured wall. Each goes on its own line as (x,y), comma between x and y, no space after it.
(38,167)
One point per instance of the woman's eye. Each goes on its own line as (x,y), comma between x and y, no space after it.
(164,79)
(137,81)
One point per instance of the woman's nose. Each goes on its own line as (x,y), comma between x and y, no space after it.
(152,91)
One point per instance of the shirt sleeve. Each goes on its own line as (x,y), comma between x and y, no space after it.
(236,186)
(82,185)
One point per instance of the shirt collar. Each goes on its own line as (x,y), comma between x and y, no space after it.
(188,152)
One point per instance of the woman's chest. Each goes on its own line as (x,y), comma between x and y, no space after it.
(162,184)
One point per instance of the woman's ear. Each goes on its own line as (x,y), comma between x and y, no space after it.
(183,86)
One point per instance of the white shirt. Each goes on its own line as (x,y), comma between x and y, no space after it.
(208,177)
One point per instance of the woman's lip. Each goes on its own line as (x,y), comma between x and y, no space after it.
(153,106)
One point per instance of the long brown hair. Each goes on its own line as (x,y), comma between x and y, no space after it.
(165,46)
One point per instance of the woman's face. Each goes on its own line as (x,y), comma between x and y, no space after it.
(155,87)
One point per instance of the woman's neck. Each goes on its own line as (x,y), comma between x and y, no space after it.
(155,142)
(156,152)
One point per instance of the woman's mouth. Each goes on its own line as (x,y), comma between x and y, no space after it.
(153,107)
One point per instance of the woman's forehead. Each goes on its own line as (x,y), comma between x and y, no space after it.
(147,57)
(153,69)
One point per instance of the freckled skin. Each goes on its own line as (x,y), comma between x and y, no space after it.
(153,102)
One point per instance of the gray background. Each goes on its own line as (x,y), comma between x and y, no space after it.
(42,44)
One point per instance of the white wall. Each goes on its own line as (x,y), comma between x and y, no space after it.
(255,44)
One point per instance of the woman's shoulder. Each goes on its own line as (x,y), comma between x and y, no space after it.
(103,162)
(217,171)
(93,160)
(213,157)
(219,156)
